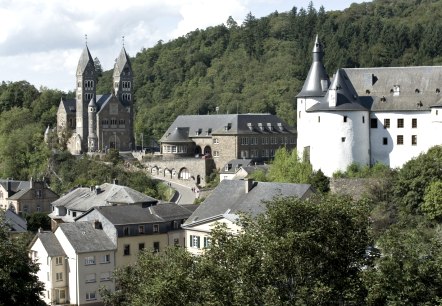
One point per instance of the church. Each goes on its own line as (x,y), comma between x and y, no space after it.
(385,115)
(96,123)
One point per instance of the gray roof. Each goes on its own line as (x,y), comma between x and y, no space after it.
(82,199)
(85,59)
(50,243)
(201,126)
(69,105)
(85,238)
(235,164)
(15,185)
(134,214)
(122,60)
(230,197)
(419,87)
(15,222)
(316,75)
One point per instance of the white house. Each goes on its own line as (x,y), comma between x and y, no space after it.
(229,199)
(367,115)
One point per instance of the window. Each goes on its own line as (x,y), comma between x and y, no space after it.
(272,152)
(363,119)
(122,121)
(414,140)
(265,140)
(156,246)
(176,241)
(194,241)
(244,140)
(215,141)
(90,278)
(140,229)
(273,140)
(385,141)
(105,276)
(105,122)
(91,296)
(343,139)
(345,118)
(400,139)
(59,276)
(244,154)
(400,123)
(253,140)
(126,231)
(386,123)
(113,121)
(61,294)
(89,260)
(58,260)
(176,225)
(215,153)
(414,123)
(38,193)
(140,246)
(126,250)
(299,115)
(105,258)
(156,228)
(253,153)
(374,123)
(265,153)
(319,118)
(207,242)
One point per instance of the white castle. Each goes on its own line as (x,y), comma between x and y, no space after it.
(365,116)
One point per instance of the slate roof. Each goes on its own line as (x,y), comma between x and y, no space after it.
(122,60)
(419,86)
(19,194)
(235,165)
(84,60)
(82,199)
(230,197)
(134,214)
(15,222)
(317,73)
(50,243)
(69,105)
(200,126)
(15,185)
(85,238)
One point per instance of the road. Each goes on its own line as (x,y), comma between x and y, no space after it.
(185,195)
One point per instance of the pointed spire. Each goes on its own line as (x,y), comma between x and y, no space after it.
(84,60)
(317,81)
(121,61)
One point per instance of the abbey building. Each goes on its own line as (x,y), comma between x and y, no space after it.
(98,122)
(385,115)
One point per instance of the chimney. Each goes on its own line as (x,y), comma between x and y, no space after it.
(248,185)
(97,189)
(115,181)
(31,183)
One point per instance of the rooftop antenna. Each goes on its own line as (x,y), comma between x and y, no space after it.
(123,40)
(85,39)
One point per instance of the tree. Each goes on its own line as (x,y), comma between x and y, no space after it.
(432,205)
(38,220)
(98,68)
(19,284)
(288,167)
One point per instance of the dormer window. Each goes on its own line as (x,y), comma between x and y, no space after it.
(396,90)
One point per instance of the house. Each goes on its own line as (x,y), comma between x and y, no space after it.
(195,145)
(26,197)
(47,252)
(99,122)
(367,115)
(239,169)
(81,199)
(135,228)
(230,199)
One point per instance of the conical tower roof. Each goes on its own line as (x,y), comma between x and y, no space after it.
(92,103)
(317,79)
(84,60)
(122,60)
(345,92)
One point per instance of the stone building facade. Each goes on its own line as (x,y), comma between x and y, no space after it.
(99,122)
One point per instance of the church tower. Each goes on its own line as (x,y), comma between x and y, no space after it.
(86,86)
(92,139)
(123,86)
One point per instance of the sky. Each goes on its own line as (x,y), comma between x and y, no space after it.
(41,40)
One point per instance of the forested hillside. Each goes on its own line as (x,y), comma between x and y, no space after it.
(256,66)
(260,65)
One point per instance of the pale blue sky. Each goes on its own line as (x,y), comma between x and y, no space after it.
(41,40)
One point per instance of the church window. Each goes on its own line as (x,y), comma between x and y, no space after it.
(414,123)
(400,139)
(385,141)
(88,84)
(113,121)
(122,121)
(105,121)
(374,123)
(414,140)
(400,123)
(88,96)
(345,118)
(386,123)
